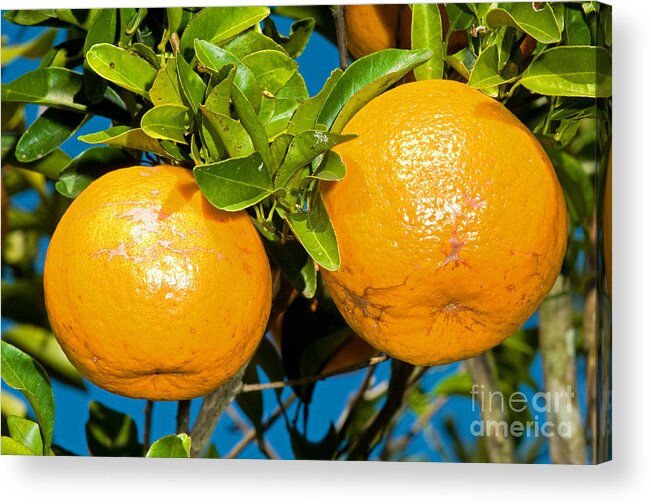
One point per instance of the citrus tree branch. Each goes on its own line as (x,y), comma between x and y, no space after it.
(556,338)
(254,387)
(484,375)
(183,417)
(342,37)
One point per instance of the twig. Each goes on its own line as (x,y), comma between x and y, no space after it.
(559,371)
(254,387)
(356,400)
(183,417)
(483,373)
(250,435)
(146,435)
(236,418)
(211,410)
(400,375)
(342,37)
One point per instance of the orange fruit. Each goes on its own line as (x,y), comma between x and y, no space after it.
(371,28)
(151,291)
(451,223)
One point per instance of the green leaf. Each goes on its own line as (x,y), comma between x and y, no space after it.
(146,53)
(570,71)
(272,69)
(172,446)
(25,374)
(47,132)
(577,30)
(102,30)
(41,344)
(365,79)
(462,61)
(192,86)
(485,73)
(304,148)
(12,405)
(218,24)
(234,184)
(29,17)
(299,35)
(427,33)
(218,100)
(88,166)
(250,42)
(294,263)
(456,384)
(166,122)
(332,168)
(540,24)
(122,67)
(306,114)
(124,136)
(27,433)
(53,87)
(110,433)
(251,123)
(285,103)
(173,20)
(23,301)
(230,132)
(576,184)
(214,58)
(315,232)
(166,87)
(460,17)
(32,49)
(10,446)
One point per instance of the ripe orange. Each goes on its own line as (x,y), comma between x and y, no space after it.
(451,223)
(372,28)
(151,291)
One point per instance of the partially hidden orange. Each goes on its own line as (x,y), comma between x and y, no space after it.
(152,292)
(451,223)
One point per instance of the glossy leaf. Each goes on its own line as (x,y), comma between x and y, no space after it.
(230,132)
(101,30)
(485,73)
(27,433)
(124,136)
(88,166)
(286,102)
(427,33)
(315,232)
(173,20)
(331,168)
(570,71)
(9,446)
(234,184)
(22,372)
(323,449)
(460,16)
(218,24)
(299,35)
(218,100)
(306,114)
(122,67)
(364,80)
(166,87)
(251,41)
(215,58)
(47,132)
(577,29)
(272,69)
(110,433)
(295,264)
(251,123)
(41,344)
(304,148)
(192,86)
(540,24)
(32,49)
(166,122)
(172,446)
(53,87)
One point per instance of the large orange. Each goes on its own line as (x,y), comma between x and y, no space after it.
(151,291)
(451,223)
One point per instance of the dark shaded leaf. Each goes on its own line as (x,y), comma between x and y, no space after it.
(110,433)
(102,30)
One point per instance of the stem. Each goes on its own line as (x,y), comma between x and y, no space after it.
(147,429)
(254,387)
(491,404)
(556,336)
(355,402)
(183,417)
(342,37)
